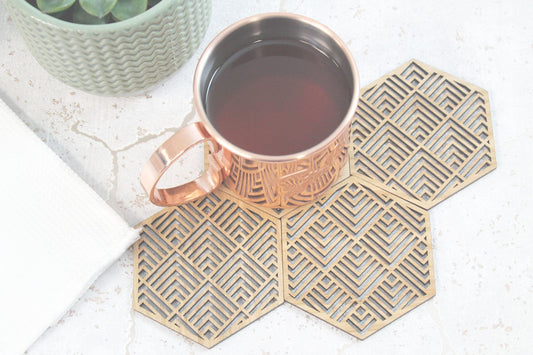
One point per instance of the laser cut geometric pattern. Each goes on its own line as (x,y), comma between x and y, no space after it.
(358,258)
(208,268)
(422,134)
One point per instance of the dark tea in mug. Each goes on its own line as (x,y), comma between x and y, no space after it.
(278,97)
(275,94)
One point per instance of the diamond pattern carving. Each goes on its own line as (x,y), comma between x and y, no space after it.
(357,258)
(208,268)
(422,134)
(360,256)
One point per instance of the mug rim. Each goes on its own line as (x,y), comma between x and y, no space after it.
(339,130)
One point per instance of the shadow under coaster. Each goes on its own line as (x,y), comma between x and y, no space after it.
(359,257)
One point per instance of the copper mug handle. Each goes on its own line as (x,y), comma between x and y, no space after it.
(168,153)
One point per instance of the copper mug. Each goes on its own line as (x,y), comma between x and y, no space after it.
(271,181)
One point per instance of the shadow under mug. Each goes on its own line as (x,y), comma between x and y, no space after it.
(272,181)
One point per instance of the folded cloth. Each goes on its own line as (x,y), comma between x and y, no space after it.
(56,235)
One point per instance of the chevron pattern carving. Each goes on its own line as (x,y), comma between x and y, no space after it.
(422,134)
(118,58)
(357,258)
(208,268)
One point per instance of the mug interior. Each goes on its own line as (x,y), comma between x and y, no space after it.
(266,27)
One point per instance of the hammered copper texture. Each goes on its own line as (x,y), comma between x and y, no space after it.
(422,134)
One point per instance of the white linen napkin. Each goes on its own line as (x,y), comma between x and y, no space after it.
(56,235)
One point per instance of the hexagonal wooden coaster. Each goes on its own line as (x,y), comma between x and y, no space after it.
(358,258)
(422,134)
(208,268)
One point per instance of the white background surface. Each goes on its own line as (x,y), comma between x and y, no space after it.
(482,236)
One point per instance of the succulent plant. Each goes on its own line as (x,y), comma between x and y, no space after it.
(94,11)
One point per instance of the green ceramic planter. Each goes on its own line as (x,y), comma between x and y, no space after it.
(117,58)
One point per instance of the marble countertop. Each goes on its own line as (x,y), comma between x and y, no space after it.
(482,236)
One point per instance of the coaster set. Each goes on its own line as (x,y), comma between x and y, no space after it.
(359,257)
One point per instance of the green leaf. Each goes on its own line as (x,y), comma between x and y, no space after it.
(79,15)
(98,8)
(53,6)
(124,9)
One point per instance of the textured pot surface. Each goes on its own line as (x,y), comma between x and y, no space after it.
(117,58)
